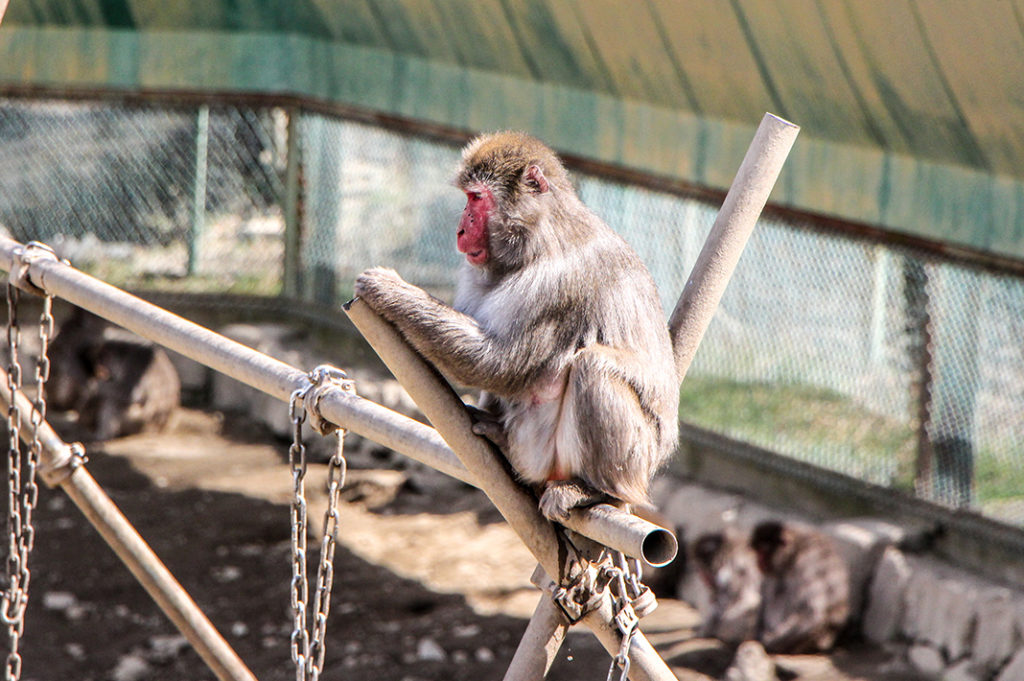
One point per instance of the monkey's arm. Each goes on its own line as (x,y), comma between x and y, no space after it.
(454,342)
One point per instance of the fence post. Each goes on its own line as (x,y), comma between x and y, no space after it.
(919,347)
(195,233)
(954,391)
(735,221)
(292,284)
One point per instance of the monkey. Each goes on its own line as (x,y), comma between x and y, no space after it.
(728,567)
(557,320)
(70,365)
(806,589)
(133,387)
(118,383)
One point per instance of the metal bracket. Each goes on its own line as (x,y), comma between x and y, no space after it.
(59,468)
(322,380)
(25,257)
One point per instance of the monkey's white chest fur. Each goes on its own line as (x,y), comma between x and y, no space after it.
(543,434)
(541,425)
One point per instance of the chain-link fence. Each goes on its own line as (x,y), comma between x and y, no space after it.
(882,363)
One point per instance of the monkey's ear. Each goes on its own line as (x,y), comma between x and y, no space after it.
(535,180)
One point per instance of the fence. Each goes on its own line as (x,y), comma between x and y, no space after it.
(889,364)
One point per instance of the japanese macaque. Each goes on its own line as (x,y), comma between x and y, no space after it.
(117,382)
(805,594)
(557,320)
(728,567)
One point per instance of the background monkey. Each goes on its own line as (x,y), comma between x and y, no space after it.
(728,567)
(117,382)
(806,589)
(557,320)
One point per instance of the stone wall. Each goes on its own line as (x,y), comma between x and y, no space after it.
(950,623)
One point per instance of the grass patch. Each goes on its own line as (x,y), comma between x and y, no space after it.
(830,430)
(814,425)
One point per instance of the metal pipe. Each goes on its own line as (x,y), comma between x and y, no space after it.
(611,526)
(722,249)
(278,379)
(445,410)
(58,466)
(540,643)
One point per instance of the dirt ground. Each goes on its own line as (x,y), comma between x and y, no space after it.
(430,582)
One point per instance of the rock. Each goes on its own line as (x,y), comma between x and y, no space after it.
(926,659)
(131,667)
(428,650)
(163,649)
(961,671)
(59,600)
(860,543)
(886,597)
(994,630)
(466,631)
(954,616)
(484,655)
(751,663)
(75,651)
(226,573)
(194,377)
(1014,671)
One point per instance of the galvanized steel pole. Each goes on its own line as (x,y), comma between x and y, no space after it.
(722,249)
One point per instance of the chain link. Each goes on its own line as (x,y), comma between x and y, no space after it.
(22,490)
(300,585)
(624,583)
(308,642)
(14,598)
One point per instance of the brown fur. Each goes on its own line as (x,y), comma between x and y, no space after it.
(805,595)
(562,327)
(117,382)
(728,567)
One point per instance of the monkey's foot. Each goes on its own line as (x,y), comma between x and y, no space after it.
(561,496)
(490,425)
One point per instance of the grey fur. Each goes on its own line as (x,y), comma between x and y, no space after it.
(563,308)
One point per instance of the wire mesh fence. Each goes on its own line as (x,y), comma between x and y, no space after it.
(887,364)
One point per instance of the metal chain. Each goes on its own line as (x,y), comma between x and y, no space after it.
(625,617)
(336,470)
(23,491)
(308,643)
(14,598)
(300,586)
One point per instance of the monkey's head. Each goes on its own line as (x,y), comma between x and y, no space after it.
(767,539)
(705,550)
(511,180)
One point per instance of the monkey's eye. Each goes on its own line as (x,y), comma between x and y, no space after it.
(474,196)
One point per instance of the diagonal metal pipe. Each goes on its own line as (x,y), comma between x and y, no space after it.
(60,466)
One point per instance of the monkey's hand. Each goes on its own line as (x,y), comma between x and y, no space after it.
(561,496)
(490,425)
(382,287)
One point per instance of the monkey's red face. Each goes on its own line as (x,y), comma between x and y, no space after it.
(472,236)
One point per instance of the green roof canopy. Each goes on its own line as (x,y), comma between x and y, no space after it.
(912,111)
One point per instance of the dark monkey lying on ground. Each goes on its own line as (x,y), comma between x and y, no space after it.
(557,320)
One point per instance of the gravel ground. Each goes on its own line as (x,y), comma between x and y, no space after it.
(430,583)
